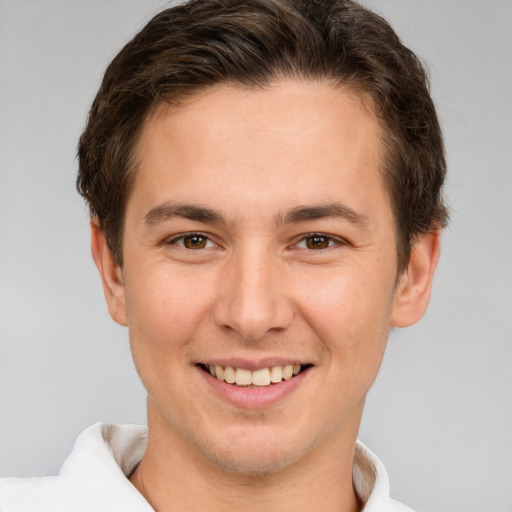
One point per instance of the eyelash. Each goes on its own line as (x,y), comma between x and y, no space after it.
(331,241)
(182,237)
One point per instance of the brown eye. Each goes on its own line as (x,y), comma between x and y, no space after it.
(317,242)
(195,241)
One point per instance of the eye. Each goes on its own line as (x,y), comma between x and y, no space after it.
(316,241)
(192,241)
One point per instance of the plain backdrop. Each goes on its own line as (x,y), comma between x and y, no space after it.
(440,413)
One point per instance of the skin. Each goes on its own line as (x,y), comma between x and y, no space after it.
(256,288)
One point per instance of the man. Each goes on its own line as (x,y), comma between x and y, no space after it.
(264,179)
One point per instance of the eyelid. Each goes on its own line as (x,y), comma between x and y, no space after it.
(337,240)
(333,240)
(181,236)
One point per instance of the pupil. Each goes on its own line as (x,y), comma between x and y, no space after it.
(317,242)
(195,242)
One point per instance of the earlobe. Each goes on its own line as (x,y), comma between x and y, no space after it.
(111,275)
(415,285)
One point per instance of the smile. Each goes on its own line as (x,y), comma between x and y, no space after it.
(257,378)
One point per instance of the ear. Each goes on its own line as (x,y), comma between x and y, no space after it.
(415,285)
(111,275)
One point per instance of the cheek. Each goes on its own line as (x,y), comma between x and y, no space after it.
(164,311)
(350,311)
(346,294)
(350,317)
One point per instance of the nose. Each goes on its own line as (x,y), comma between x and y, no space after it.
(252,300)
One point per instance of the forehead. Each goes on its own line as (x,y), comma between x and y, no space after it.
(292,106)
(292,140)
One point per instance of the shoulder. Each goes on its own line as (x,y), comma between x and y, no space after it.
(94,477)
(34,494)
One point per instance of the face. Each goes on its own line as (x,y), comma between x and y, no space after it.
(259,247)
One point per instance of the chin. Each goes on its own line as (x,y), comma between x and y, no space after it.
(252,464)
(253,457)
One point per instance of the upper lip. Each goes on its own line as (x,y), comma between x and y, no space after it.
(253,364)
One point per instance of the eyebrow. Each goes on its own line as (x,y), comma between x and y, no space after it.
(167,211)
(314,212)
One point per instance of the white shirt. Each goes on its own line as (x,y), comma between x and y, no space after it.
(94,477)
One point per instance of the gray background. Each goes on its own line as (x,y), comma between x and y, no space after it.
(440,414)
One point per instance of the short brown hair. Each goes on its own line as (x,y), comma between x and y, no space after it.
(252,43)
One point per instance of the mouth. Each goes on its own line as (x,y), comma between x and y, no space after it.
(262,377)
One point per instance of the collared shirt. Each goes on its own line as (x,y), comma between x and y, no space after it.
(94,478)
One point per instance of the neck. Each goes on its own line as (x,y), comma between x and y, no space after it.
(173,476)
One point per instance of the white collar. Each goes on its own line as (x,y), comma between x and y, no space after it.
(94,477)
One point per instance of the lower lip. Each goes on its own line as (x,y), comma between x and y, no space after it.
(254,398)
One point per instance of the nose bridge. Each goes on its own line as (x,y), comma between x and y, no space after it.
(251,300)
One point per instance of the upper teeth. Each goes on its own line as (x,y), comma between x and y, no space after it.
(262,377)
